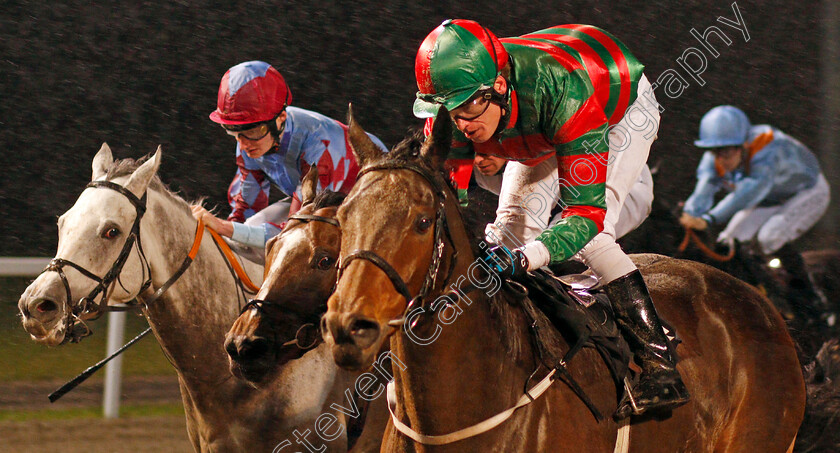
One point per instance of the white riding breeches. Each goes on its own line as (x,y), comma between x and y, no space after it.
(774,226)
(529,193)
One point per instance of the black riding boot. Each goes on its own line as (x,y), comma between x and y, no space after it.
(660,385)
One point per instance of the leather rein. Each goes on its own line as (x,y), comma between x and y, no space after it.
(76,329)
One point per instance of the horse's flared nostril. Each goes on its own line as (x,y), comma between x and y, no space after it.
(40,309)
(247,349)
(46,306)
(364,332)
(230,348)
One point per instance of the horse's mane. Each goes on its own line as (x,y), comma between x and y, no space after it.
(327,198)
(125,167)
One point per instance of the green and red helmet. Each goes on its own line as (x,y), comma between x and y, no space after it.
(456,60)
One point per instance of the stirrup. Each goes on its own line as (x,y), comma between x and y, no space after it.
(630,406)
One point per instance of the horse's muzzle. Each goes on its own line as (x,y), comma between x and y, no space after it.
(351,336)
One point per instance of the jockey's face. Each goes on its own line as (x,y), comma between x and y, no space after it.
(260,141)
(728,158)
(479,118)
(488,165)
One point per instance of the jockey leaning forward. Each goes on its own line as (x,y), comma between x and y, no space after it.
(275,144)
(575,94)
(489,174)
(777,192)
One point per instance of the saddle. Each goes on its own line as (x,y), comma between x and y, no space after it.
(582,315)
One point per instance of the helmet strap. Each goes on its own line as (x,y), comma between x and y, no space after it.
(277,131)
(502,101)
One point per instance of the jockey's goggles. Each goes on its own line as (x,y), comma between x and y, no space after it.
(477,105)
(248,131)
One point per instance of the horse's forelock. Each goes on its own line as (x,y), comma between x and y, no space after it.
(127,166)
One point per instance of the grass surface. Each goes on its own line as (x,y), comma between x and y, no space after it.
(140,410)
(23,359)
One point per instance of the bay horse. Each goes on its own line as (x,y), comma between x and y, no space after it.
(458,361)
(127,204)
(281,323)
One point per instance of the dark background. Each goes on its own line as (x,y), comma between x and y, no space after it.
(139,74)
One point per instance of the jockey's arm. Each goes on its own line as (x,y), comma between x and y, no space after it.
(578,128)
(749,192)
(708,184)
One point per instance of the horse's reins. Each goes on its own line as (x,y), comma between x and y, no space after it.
(691,235)
(399,284)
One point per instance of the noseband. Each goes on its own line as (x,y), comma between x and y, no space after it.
(87,305)
(441,227)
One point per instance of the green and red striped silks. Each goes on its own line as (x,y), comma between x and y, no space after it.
(569,85)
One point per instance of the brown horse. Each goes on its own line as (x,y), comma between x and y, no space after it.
(281,323)
(459,362)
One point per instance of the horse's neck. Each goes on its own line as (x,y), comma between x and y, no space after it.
(467,365)
(192,316)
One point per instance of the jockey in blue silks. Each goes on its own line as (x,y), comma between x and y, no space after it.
(276,144)
(776,190)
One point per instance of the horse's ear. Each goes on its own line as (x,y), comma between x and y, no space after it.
(139,180)
(363,147)
(309,186)
(436,147)
(102,161)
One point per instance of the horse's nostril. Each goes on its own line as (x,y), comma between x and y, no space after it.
(46,306)
(252,349)
(230,348)
(362,326)
(364,332)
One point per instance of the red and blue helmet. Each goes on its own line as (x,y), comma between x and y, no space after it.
(456,60)
(251,92)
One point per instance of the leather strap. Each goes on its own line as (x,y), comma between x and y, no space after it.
(690,235)
(240,272)
(482,427)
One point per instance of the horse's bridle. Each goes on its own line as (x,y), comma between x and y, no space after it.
(87,305)
(440,226)
(308,334)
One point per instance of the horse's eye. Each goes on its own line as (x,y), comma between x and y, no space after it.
(111,233)
(423,224)
(325,263)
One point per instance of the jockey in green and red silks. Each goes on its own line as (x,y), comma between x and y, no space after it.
(572,111)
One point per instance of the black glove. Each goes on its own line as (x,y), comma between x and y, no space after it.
(507,263)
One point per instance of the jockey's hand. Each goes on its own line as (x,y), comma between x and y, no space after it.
(694,223)
(202,214)
(507,263)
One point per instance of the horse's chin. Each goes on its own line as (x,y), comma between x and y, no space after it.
(255,376)
(45,335)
